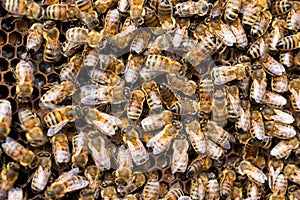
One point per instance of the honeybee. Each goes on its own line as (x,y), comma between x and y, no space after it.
(280,187)
(196,135)
(261,24)
(257,129)
(157,121)
(136,11)
(60,148)
(258,49)
(169,97)
(140,41)
(197,190)
(70,71)
(219,106)
(250,13)
(173,193)
(137,150)
(275,168)
(15,194)
(137,180)
(153,96)
(105,123)
(80,152)
(100,94)
(52,48)
(240,34)
(43,172)
(272,66)
(92,174)
(35,37)
(237,193)
(135,105)
(253,173)
(226,183)
(31,124)
(259,84)
(225,74)
(9,175)
(151,20)
(233,101)
(58,118)
(190,8)
(158,62)
(105,77)
(185,106)
(289,42)
(271,113)
(133,67)
(151,189)
(67,182)
(18,152)
(123,6)
(254,191)
(198,165)
(124,171)
(90,19)
(217,134)
(165,14)
(232,10)
(187,87)
(213,189)
(5,118)
(250,150)
(284,148)
(280,7)
(109,193)
(86,194)
(77,35)
(180,157)
(162,140)
(111,22)
(31,10)
(206,89)
(98,41)
(83,5)
(279,84)
(62,12)
(103,6)
(276,34)
(213,150)
(24,75)
(243,121)
(293,20)
(274,99)
(294,88)
(292,173)
(286,58)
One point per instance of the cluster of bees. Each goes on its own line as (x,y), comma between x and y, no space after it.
(208,84)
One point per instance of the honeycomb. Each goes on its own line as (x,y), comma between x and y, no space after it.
(13,35)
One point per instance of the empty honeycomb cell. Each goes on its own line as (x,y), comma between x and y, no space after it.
(23,25)
(3,91)
(3,64)
(14,105)
(3,37)
(168,176)
(22,53)
(8,51)
(45,67)
(13,91)
(9,78)
(35,93)
(39,80)
(3,12)
(15,38)
(52,78)
(163,161)
(8,24)
(163,188)
(13,63)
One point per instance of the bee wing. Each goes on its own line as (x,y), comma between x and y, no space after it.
(56,128)
(42,178)
(94,100)
(221,80)
(296,96)
(124,158)
(237,109)
(273,66)
(138,152)
(283,117)
(288,131)
(81,143)
(156,137)
(101,158)
(257,175)
(258,130)
(112,119)
(77,185)
(258,91)
(104,128)
(295,18)
(178,160)
(67,175)
(198,140)
(228,36)
(15,194)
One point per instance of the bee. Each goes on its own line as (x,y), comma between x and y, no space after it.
(9,175)
(293,192)
(212,189)
(198,165)
(187,87)
(169,97)
(225,74)
(98,41)
(67,182)
(254,191)
(24,75)
(273,67)
(274,99)
(105,77)
(109,193)
(86,194)
(135,105)
(18,152)
(237,193)
(250,150)
(90,19)
(293,20)
(157,121)
(291,171)
(173,194)
(151,20)
(226,184)
(294,88)
(257,129)
(240,34)
(52,48)
(261,24)
(213,150)
(111,22)
(136,11)
(5,118)
(105,123)
(271,113)
(31,124)
(279,84)
(92,174)
(275,168)
(140,41)
(219,106)
(153,96)
(151,190)
(276,34)
(133,68)
(165,14)
(280,7)
(289,42)
(31,10)
(232,10)
(60,148)
(123,6)
(124,170)
(180,156)
(284,148)
(190,8)
(158,62)
(59,117)
(80,151)
(234,107)
(62,12)
(35,37)
(196,135)
(15,194)
(217,134)
(83,5)
(185,106)
(259,84)
(197,190)
(253,173)
(250,13)
(77,35)
(137,180)
(280,186)
(70,71)
(43,172)
(103,6)
(206,89)
(258,49)
(99,94)
(162,140)
(286,58)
